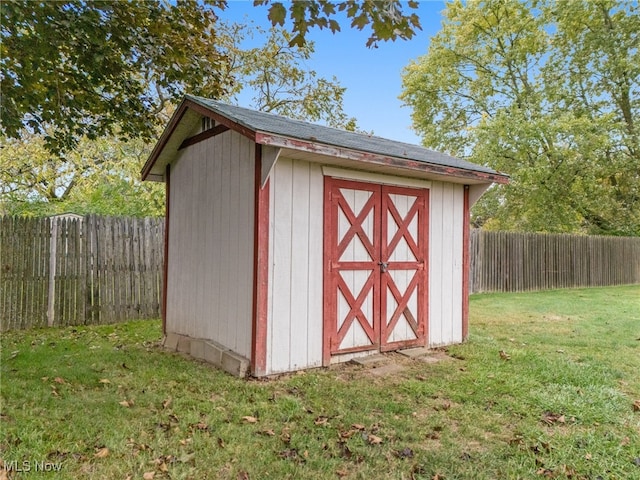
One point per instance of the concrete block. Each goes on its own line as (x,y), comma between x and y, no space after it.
(213,353)
(415,352)
(197,349)
(171,341)
(234,364)
(370,360)
(184,344)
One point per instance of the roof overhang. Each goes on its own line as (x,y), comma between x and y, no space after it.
(188,114)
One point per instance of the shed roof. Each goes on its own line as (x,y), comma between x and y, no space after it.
(270,129)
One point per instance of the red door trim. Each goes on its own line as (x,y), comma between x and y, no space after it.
(260,271)
(466,241)
(334,202)
(421,277)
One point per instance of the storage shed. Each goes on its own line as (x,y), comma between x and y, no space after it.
(291,245)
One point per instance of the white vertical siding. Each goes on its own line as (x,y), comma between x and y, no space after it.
(445,263)
(209,291)
(294,331)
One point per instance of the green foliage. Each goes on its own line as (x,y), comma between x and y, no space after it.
(73,69)
(386,18)
(548,92)
(89,161)
(275,74)
(99,176)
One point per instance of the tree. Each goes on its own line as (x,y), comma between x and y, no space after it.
(548,92)
(75,68)
(101,175)
(275,75)
(98,176)
(385,18)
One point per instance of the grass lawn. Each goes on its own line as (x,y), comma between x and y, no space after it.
(561,401)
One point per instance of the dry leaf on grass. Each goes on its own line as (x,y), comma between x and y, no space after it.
(105,380)
(321,420)
(250,419)
(636,406)
(504,355)
(148,475)
(551,418)
(374,439)
(101,452)
(126,403)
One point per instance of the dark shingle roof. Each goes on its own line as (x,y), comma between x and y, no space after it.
(278,125)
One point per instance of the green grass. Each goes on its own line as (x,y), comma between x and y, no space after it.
(560,407)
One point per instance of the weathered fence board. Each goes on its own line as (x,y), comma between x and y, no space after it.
(516,262)
(92,270)
(74,271)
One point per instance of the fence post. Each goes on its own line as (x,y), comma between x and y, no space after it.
(51,302)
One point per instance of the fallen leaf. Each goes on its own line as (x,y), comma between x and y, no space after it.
(588,456)
(374,439)
(504,355)
(249,419)
(342,473)
(199,426)
(59,380)
(126,403)
(105,380)
(625,441)
(347,433)
(221,443)
(551,418)
(358,426)
(269,432)
(148,475)
(102,453)
(636,406)
(167,403)
(321,420)
(243,475)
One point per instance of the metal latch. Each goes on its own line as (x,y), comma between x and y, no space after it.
(383,267)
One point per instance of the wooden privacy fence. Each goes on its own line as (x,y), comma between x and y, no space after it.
(516,262)
(91,270)
(79,270)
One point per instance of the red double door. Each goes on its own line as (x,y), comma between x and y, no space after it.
(376,251)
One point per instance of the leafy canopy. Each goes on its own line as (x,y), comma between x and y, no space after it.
(547,91)
(74,68)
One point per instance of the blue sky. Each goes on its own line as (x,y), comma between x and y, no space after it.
(372,76)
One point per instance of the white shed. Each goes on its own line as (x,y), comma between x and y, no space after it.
(291,245)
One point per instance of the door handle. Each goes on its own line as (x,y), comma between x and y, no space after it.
(383,267)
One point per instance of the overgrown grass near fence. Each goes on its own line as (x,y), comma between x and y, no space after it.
(74,271)
(518,262)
